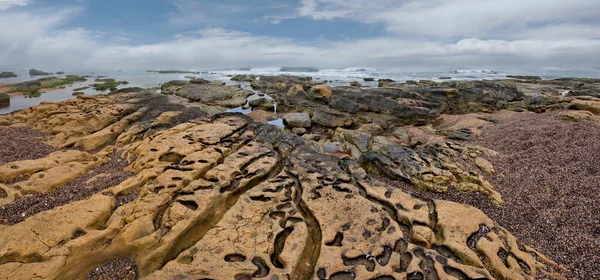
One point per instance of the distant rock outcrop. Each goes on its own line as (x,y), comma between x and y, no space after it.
(34,72)
(8,75)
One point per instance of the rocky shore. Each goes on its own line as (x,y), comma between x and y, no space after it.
(416,180)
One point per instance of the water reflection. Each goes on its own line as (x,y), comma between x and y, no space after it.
(257,95)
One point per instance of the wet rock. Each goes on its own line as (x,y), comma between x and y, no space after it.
(445,78)
(298,120)
(355,84)
(368,79)
(262,103)
(8,75)
(244,78)
(386,82)
(78,93)
(521,77)
(172,86)
(127,90)
(199,81)
(4,99)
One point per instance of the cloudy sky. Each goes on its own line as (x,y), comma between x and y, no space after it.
(207,34)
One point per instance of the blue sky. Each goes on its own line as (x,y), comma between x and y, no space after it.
(93,34)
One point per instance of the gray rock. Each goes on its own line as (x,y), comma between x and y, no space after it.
(298,120)
(344,105)
(214,95)
(262,103)
(463,134)
(354,141)
(333,147)
(332,118)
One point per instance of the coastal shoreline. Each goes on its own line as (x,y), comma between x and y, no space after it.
(392,157)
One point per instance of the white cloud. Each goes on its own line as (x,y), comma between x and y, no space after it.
(451,18)
(5,4)
(37,40)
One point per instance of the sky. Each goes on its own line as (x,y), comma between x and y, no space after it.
(201,34)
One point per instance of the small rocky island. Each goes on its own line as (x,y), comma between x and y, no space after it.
(415,180)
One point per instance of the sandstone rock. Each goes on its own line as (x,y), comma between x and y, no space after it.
(372,128)
(484,165)
(228,198)
(578,116)
(320,92)
(592,106)
(263,116)
(298,120)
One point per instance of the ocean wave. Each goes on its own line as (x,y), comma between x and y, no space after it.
(475,71)
(298,69)
(349,70)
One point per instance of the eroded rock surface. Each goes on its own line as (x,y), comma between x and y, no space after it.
(224,197)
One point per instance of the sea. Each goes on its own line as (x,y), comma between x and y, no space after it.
(334,77)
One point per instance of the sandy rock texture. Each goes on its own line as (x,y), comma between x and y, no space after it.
(210,195)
